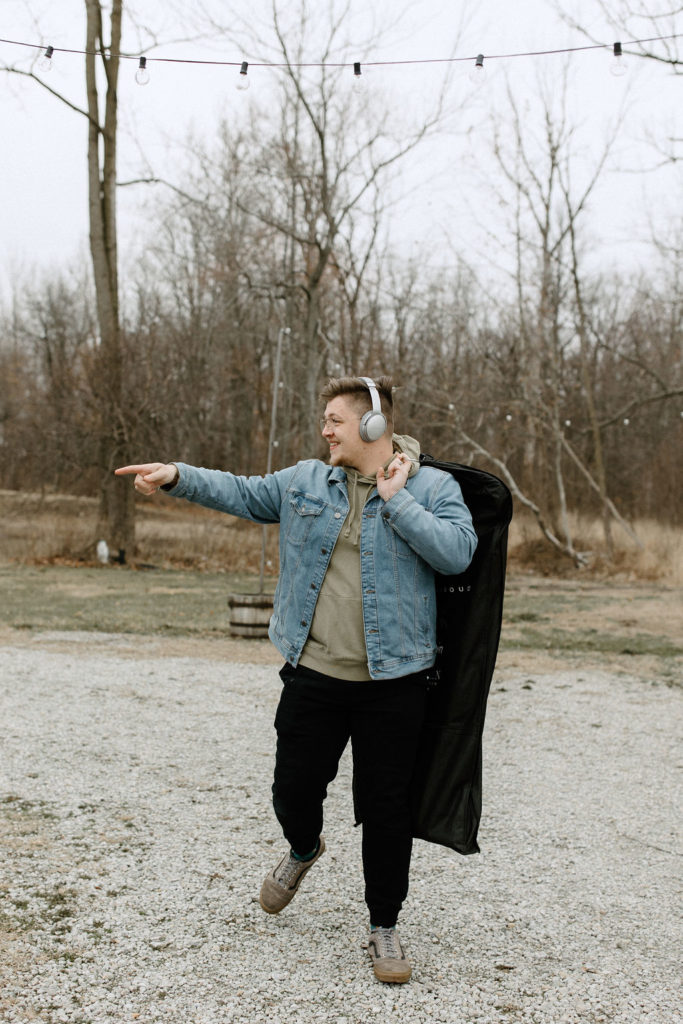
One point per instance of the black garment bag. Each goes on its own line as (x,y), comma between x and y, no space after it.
(447,792)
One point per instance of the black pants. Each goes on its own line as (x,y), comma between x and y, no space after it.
(316,717)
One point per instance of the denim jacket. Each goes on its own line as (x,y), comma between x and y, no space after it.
(424,528)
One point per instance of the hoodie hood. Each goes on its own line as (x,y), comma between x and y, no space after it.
(407,445)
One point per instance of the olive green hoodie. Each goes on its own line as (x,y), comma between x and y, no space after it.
(336,641)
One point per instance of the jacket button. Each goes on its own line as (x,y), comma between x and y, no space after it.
(337,515)
(323,551)
(312,586)
(303,622)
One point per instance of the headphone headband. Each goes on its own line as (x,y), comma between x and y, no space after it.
(374,393)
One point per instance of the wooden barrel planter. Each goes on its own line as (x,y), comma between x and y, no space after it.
(250,614)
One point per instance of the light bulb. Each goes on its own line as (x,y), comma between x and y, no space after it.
(478,72)
(243,81)
(45,62)
(142,74)
(617,66)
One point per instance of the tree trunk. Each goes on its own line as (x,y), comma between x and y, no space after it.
(584,351)
(117,509)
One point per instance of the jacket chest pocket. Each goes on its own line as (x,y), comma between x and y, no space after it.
(303,515)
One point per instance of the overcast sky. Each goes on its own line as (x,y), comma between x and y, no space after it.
(43,207)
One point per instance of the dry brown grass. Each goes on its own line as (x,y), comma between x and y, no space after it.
(660,558)
(61,528)
(56,528)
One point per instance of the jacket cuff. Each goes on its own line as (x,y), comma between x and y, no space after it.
(174,483)
(396,504)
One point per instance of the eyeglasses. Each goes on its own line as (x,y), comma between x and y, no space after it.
(330,423)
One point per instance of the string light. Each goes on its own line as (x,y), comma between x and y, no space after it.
(357,78)
(617,66)
(45,62)
(478,68)
(142,74)
(243,81)
(478,72)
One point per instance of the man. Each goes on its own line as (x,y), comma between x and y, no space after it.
(355,618)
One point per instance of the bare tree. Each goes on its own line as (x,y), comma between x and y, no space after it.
(658,24)
(117,518)
(320,174)
(654,19)
(547,209)
(117,509)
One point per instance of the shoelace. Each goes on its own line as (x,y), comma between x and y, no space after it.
(387,943)
(288,870)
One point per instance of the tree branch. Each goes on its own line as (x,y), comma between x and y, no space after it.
(72,106)
(637,403)
(580,558)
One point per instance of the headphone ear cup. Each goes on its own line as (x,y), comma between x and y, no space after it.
(372,425)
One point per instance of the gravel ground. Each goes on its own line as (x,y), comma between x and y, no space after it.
(136,829)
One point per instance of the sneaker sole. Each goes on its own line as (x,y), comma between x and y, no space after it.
(393,979)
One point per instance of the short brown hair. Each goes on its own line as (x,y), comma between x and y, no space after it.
(359,393)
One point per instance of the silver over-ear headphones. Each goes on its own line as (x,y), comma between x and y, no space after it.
(374,423)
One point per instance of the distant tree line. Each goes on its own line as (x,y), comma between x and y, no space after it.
(573,395)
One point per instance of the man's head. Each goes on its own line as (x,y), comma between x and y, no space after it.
(347,400)
(357,393)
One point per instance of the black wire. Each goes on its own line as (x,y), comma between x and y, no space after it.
(367,64)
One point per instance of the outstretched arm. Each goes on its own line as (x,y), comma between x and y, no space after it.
(250,497)
(150,476)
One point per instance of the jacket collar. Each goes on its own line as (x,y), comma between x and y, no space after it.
(337,475)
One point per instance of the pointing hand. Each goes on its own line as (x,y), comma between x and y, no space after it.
(149,476)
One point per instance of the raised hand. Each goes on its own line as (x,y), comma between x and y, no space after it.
(394,479)
(149,476)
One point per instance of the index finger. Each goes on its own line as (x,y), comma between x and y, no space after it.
(143,470)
